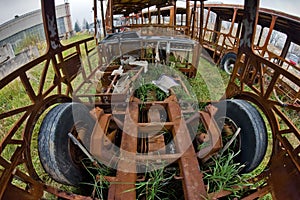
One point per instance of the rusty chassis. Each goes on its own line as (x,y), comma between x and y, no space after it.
(248,81)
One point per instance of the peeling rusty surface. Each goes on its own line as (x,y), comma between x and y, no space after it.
(50,25)
(127,163)
(65,195)
(189,167)
(100,144)
(14,192)
(259,193)
(283,173)
(213,132)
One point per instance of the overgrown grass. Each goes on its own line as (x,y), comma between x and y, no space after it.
(150,92)
(210,82)
(75,38)
(224,174)
(156,185)
(99,183)
(30,40)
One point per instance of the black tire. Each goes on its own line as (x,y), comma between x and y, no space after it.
(227,62)
(56,151)
(252,139)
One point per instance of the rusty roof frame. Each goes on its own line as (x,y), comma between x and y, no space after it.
(283,22)
(127,7)
(287,161)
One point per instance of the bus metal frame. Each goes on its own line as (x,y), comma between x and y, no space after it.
(248,81)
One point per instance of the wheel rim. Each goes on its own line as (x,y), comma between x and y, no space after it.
(30,126)
(78,130)
(229,65)
(229,127)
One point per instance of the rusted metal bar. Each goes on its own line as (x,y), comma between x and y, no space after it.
(193,19)
(27,85)
(14,112)
(217,28)
(144,127)
(112,84)
(189,167)
(50,25)
(34,190)
(259,193)
(238,32)
(7,174)
(149,15)
(98,147)
(65,195)
(205,28)
(126,174)
(233,20)
(265,47)
(111,14)
(95,9)
(142,16)
(215,138)
(168,158)
(102,18)
(43,77)
(13,192)
(158,15)
(286,47)
(13,130)
(188,17)
(201,21)
(174,15)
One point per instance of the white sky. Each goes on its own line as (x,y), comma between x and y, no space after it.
(82,9)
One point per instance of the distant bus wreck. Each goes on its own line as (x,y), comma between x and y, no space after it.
(119,119)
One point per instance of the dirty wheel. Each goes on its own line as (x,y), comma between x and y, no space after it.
(60,158)
(227,62)
(252,138)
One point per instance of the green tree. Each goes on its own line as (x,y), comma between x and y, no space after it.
(77,27)
(85,24)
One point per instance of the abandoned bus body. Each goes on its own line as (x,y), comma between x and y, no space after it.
(275,37)
(117,117)
(275,40)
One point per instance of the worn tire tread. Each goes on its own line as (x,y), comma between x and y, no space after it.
(53,153)
(253,131)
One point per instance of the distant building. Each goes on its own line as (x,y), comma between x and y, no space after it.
(15,30)
(99,27)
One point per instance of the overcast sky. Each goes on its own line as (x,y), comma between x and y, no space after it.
(82,9)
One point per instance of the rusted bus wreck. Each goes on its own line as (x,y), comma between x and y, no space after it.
(117,114)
